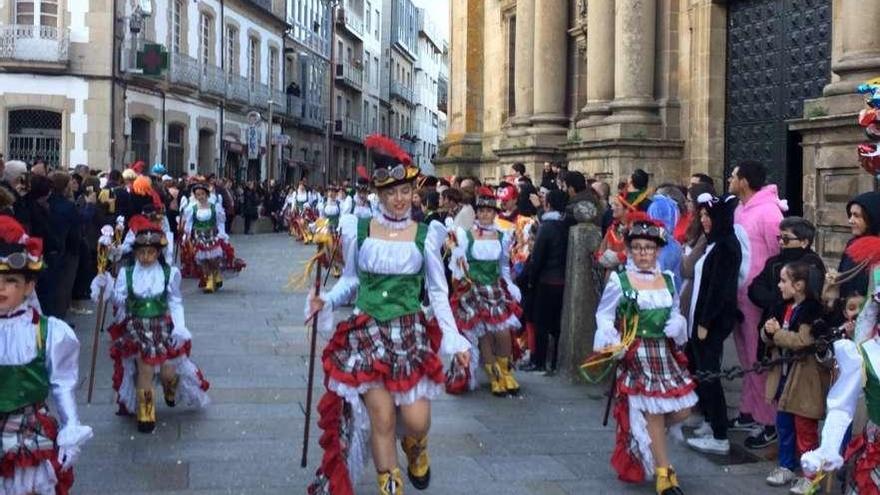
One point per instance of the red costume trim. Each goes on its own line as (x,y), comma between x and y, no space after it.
(31,459)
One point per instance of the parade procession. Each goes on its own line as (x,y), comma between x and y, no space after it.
(359,247)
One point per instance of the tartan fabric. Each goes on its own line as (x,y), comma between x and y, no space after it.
(28,439)
(151,336)
(481,308)
(652,368)
(206,244)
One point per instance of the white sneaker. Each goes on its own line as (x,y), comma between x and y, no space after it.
(704,431)
(710,445)
(694,421)
(802,486)
(780,476)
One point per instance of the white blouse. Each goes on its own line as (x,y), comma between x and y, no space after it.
(483,250)
(395,258)
(149,282)
(18,341)
(607,333)
(203,215)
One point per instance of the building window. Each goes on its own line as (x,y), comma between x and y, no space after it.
(273,57)
(34,134)
(511,66)
(376,67)
(206,38)
(253,61)
(367,68)
(231,50)
(140,139)
(175,160)
(36,12)
(378,22)
(369,23)
(176,11)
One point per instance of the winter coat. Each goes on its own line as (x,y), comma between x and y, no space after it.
(550,253)
(870,203)
(764,290)
(807,383)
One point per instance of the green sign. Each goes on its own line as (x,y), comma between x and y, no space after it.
(153,59)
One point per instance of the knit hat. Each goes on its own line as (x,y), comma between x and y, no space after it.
(19,253)
(391,165)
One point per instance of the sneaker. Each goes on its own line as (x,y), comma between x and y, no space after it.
(710,445)
(705,430)
(803,486)
(743,422)
(764,438)
(780,476)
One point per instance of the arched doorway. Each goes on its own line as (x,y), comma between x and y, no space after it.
(206,154)
(140,140)
(34,134)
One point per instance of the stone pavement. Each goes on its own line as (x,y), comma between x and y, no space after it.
(250,342)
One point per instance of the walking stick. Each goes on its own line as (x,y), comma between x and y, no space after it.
(336,242)
(611,394)
(313,338)
(99,320)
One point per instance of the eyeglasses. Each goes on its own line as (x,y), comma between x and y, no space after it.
(396,173)
(643,249)
(786,239)
(16,261)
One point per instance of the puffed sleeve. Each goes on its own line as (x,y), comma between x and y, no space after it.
(676,325)
(841,405)
(221,221)
(866,321)
(127,242)
(120,289)
(175,299)
(344,288)
(62,362)
(504,266)
(438,292)
(458,258)
(169,235)
(188,215)
(606,314)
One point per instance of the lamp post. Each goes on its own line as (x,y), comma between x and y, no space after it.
(331,12)
(269,144)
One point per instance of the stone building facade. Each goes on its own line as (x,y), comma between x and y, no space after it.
(672,86)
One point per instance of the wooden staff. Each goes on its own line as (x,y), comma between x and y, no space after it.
(313,339)
(99,321)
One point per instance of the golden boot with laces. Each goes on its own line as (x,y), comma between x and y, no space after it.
(495,380)
(390,482)
(419,464)
(146,414)
(667,481)
(507,378)
(169,390)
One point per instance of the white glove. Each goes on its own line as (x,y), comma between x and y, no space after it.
(67,456)
(609,259)
(223,237)
(180,336)
(816,460)
(514,291)
(101,281)
(605,338)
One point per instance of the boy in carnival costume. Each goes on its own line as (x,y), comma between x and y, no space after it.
(39,356)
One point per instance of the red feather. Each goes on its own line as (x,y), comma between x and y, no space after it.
(362,172)
(865,249)
(485,192)
(384,145)
(139,223)
(11,231)
(34,246)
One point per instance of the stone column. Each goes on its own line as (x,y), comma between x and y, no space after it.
(860,58)
(524,62)
(600,59)
(551,47)
(634,42)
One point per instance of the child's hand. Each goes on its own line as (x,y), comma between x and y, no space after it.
(771,326)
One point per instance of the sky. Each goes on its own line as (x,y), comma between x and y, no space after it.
(439,13)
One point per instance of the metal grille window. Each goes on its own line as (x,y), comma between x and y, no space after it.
(140,139)
(206,24)
(253,54)
(176,10)
(273,56)
(35,134)
(175,150)
(231,43)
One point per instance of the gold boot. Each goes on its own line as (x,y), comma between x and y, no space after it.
(209,284)
(146,415)
(390,482)
(667,482)
(497,385)
(507,378)
(419,464)
(169,390)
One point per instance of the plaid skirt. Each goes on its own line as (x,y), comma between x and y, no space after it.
(28,440)
(652,368)
(148,337)
(485,308)
(863,461)
(398,352)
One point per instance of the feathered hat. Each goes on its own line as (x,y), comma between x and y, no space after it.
(506,193)
(391,165)
(486,198)
(642,226)
(19,253)
(201,185)
(147,233)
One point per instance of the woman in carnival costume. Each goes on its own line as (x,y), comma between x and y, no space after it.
(205,227)
(486,301)
(383,363)
(151,335)
(638,321)
(40,355)
(331,209)
(364,205)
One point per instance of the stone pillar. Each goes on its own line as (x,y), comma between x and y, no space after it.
(524,62)
(634,42)
(582,293)
(600,59)
(551,45)
(860,57)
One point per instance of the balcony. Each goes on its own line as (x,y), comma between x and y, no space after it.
(349,129)
(34,45)
(184,70)
(259,95)
(237,89)
(294,107)
(213,81)
(350,75)
(402,92)
(350,21)
(313,117)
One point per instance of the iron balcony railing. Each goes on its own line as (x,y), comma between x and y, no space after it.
(259,95)
(349,129)
(29,43)
(350,75)
(294,107)
(184,70)
(237,89)
(314,116)
(213,80)
(402,91)
(351,21)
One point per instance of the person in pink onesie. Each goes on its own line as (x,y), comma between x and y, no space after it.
(757,223)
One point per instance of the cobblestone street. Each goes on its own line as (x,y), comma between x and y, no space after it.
(251,344)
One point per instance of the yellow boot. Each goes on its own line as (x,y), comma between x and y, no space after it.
(497,385)
(667,482)
(418,463)
(146,415)
(169,389)
(390,482)
(218,279)
(209,284)
(507,378)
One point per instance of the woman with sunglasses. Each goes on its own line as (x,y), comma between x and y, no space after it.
(383,363)
(638,322)
(205,227)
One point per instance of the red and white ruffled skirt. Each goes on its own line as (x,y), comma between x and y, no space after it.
(30,458)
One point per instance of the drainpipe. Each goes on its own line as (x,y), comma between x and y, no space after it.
(332,72)
(221,164)
(164,131)
(113,75)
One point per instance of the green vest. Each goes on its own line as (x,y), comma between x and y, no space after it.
(26,384)
(209,224)
(481,272)
(386,297)
(146,307)
(872,389)
(652,322)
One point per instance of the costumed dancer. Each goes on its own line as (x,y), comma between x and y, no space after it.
(152,336)
(383,363)
(364,205)
(638,321)
(40,355)
(330,207)
(205,227)
(486,301)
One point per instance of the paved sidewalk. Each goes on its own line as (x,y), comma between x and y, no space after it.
(251,344)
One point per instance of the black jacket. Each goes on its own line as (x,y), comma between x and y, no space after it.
(870,203)
(764,290)
(549,254)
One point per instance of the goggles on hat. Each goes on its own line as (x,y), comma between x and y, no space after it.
(149,238)
(396,173)
(15,261)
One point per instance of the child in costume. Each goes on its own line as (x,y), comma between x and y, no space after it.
(330,208)
(486,303)
(383,364)
(205,227)
(152,336)
(39,355)
(638,321)
(364,206)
